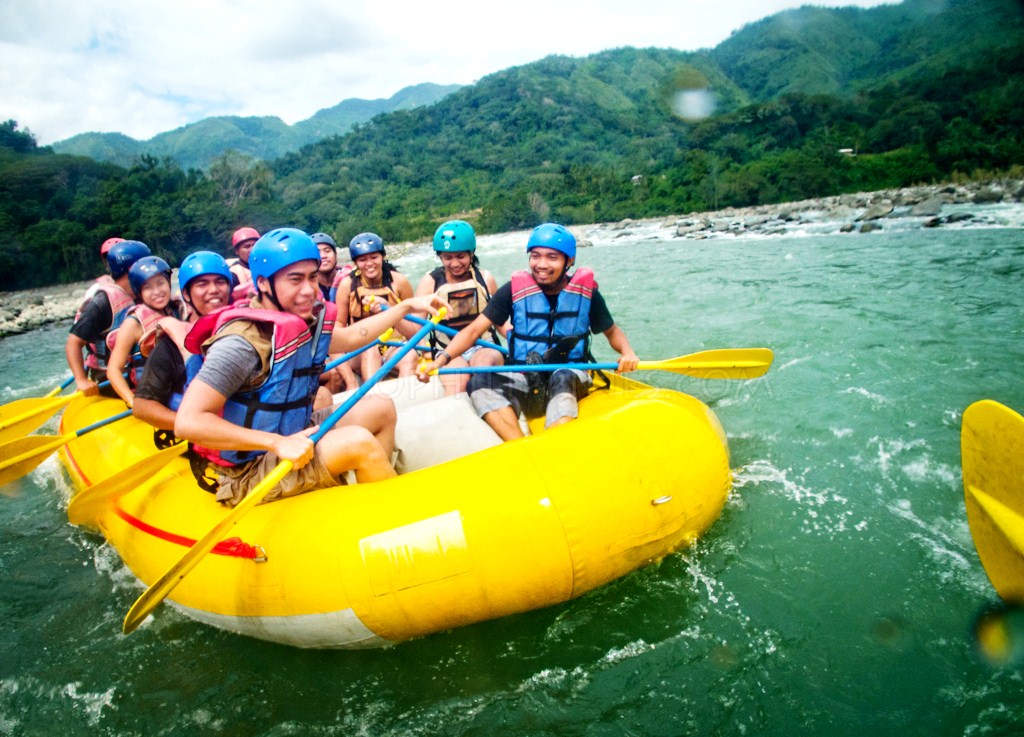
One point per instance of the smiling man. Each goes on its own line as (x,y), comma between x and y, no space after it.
(553,315)
(250,405)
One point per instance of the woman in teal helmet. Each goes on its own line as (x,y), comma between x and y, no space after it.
(461,282)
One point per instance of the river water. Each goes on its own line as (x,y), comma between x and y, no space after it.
(835,596)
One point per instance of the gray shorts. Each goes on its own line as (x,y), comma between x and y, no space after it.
(560,399)
(237,481)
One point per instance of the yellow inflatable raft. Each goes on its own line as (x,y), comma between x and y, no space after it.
(472,529)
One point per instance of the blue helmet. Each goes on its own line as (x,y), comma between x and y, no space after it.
(199,264)
(319,238)
(365,243)
(122,255)
(145,269)
(279,248)
(554,236)
(455,236)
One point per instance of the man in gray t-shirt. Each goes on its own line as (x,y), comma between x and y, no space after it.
(237,358)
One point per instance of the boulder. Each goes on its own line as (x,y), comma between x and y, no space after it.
(876,212)
(869,227)
(929,207)
(987,196)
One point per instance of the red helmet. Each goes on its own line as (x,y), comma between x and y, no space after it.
(108,244)
(244,234)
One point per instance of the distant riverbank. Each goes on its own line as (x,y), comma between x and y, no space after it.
(925,206)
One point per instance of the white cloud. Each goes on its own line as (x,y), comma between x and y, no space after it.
(143,68)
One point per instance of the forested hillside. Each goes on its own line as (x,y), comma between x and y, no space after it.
(925,90)
(199,144)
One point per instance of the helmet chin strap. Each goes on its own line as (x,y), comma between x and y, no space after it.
(271,295)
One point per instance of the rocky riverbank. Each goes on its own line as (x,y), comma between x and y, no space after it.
(926,206)
(33,308)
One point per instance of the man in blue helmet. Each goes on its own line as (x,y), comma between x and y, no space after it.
(103,309)
(553,315)
(250,404)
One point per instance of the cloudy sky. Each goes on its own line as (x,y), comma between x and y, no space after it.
(141,68)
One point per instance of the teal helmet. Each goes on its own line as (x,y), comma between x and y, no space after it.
(553,236)
(455,236)
(279,248)
(202,263)
(365,243)
(145,269)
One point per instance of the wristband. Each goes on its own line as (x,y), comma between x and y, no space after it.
(447,357)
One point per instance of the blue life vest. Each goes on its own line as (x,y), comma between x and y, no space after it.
(283,403)
(536,326)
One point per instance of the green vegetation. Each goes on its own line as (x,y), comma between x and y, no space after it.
(921,91)
(197,145)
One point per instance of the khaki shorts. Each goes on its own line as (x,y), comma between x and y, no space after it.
(236,482)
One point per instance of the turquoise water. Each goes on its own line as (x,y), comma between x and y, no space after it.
(835,596)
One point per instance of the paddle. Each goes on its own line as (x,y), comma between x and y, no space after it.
(86,506)
(25,415)
(352,354)
(22,455)
(90,503)
(57,390)
(722,363)
(20,406)
(156,593)
(399,344)
(992,453)
(453,332)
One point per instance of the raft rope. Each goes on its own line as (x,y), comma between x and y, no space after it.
(233,547)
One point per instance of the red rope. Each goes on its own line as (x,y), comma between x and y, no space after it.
(234,546)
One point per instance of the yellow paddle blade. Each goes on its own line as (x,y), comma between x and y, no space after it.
(156,593)
(21,417)
(721,363)
(992,450)
(86,507)
(18,457)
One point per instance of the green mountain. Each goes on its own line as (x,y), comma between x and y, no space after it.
(922,91)
(196,145)
(814,50)
(565,137)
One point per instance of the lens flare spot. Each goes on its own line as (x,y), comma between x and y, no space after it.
(693,105)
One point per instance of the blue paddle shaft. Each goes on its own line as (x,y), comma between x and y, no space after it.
(453,332)
(102,423)
(351,354)
(519,368)
(359,393)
